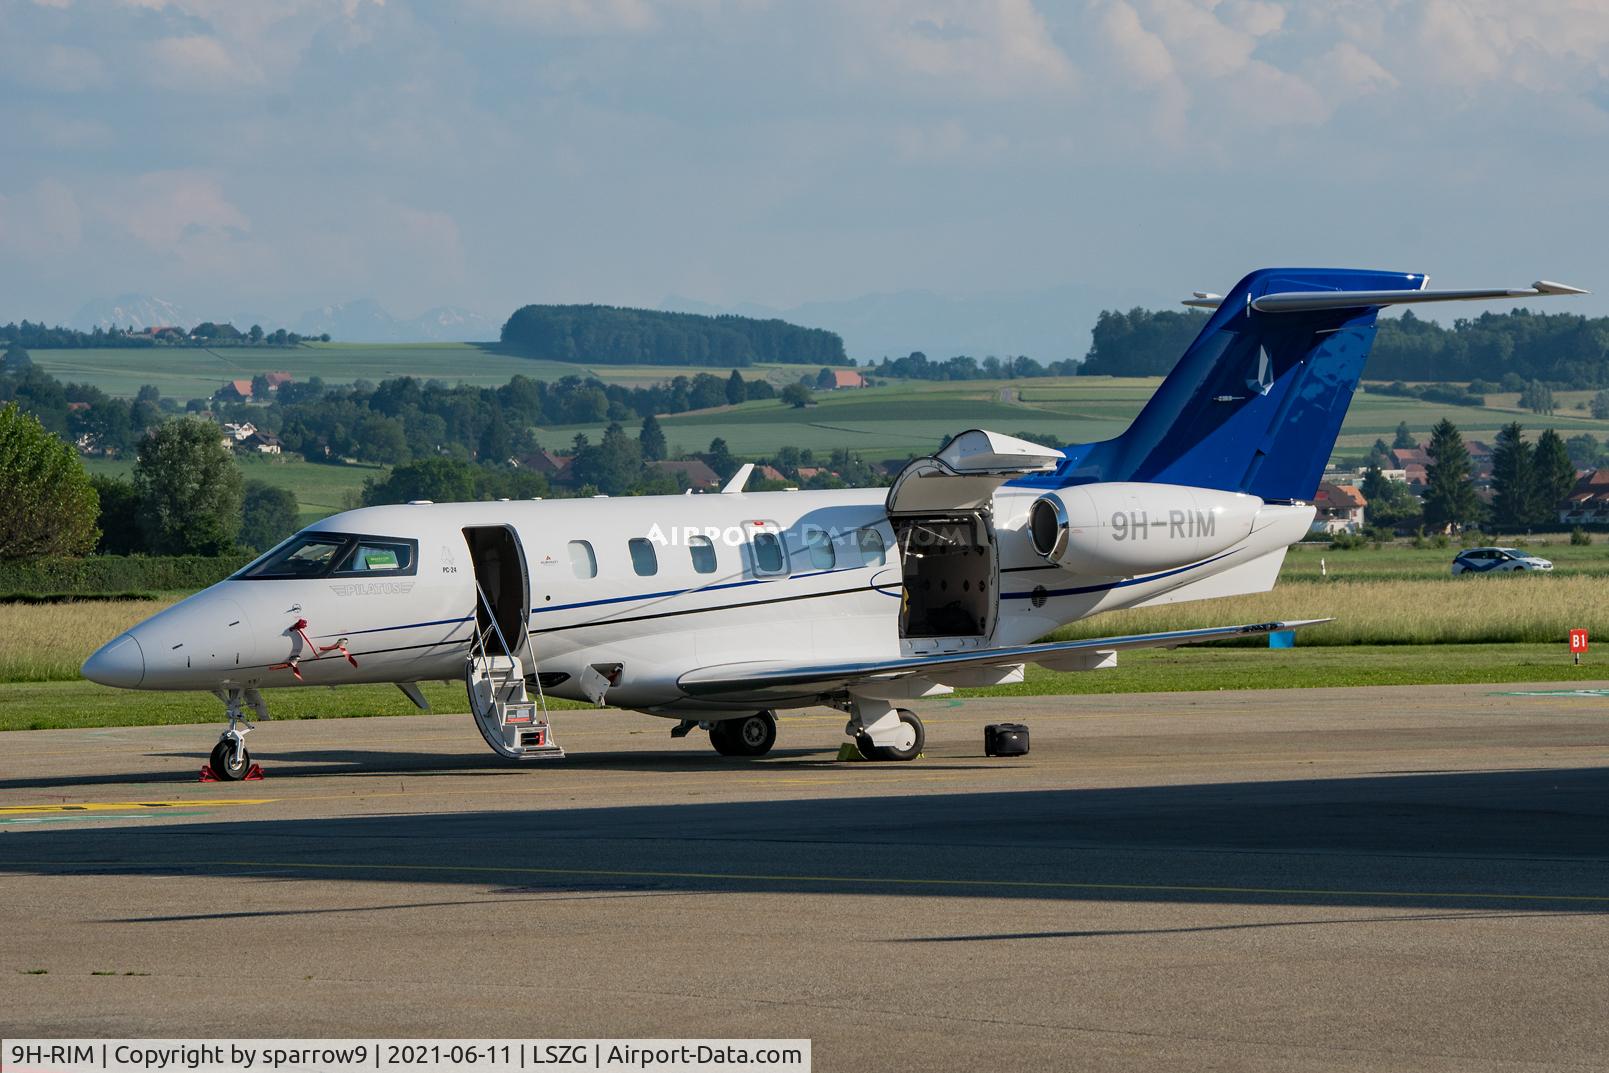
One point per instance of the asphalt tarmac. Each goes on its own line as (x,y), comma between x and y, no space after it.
(1349,879)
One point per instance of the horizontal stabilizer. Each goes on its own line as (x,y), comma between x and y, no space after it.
(1309,301)
(771,679)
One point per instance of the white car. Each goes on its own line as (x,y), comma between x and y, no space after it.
(1497,560)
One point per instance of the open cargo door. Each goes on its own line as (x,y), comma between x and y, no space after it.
(939,508)
(964,475)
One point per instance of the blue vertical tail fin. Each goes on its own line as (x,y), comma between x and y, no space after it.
(1256,402)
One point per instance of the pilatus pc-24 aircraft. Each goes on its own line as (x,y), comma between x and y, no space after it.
(717,610)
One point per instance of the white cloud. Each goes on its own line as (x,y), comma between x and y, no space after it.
(199,63)
(52,66)
(570,16)
(990,50)
(171,211)
(1142,54)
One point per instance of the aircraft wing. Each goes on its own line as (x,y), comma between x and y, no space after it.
(778,679)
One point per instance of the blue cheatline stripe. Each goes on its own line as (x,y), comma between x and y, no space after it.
(1116,584)
(682,592)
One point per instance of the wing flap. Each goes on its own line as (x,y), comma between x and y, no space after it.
(780,678)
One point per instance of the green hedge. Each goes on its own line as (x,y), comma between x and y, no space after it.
(100,575)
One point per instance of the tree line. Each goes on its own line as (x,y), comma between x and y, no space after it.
(207,333)
(1519,346)
(186,496)
(625,336)
(918,366)
(1528,481)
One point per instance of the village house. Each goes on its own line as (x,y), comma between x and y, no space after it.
(1340,508)
(846,378)
(264,443)
(1588,501)
(695,473)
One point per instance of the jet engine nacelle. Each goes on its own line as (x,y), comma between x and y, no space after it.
(1120,530)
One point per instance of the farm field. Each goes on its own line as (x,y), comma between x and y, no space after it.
(196,372)
(901,418)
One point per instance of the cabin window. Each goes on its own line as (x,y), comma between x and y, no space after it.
(643,558)
(819,544)
(583,563)
(769,557)
(703,553)
(871,547)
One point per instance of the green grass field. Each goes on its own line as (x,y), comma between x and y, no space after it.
(898,419)
(196,372)
(59,705)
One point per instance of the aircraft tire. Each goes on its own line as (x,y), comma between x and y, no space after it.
(750,735)
(223,762)
(889,752)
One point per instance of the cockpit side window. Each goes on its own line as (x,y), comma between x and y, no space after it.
(316,555)
(371,556)
(303,556)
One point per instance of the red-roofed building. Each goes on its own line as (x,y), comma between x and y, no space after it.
(1588,501)
(277,380)
(1340,508)
(847,378)
(240,389)
(693,472)
(547,463)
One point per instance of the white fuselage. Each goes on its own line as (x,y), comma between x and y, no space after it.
(589,601)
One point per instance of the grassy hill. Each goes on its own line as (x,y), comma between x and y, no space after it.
(893,421)
(196,372)
(887,422)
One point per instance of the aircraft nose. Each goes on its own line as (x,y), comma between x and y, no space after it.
(119,662)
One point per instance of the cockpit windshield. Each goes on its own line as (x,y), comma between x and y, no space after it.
(316,555)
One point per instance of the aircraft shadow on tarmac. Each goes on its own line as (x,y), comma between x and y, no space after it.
(346,762)
(1503,840)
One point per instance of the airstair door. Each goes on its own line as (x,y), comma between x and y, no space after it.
(502,658)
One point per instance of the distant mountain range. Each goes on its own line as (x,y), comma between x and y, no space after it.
(362,321)
(1049,325)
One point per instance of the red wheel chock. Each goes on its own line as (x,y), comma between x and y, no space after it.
(253,774)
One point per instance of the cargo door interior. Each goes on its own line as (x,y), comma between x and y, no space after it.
(939,507)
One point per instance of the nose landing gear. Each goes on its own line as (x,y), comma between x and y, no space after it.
(230,762)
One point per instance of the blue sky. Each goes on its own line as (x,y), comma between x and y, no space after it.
(279,154)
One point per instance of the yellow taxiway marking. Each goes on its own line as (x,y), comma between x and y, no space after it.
(915,882)
(124,806)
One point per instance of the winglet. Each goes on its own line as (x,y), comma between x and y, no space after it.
(739,479)
(1203,300)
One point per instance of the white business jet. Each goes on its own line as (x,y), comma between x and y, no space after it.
(718,610)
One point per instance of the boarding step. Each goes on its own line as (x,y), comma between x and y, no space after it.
(508,719)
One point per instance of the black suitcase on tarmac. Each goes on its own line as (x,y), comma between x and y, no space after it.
(1005,739)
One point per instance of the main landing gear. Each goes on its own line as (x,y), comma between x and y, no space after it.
(230,761)
(882,731)
(748,735)
(908,739)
